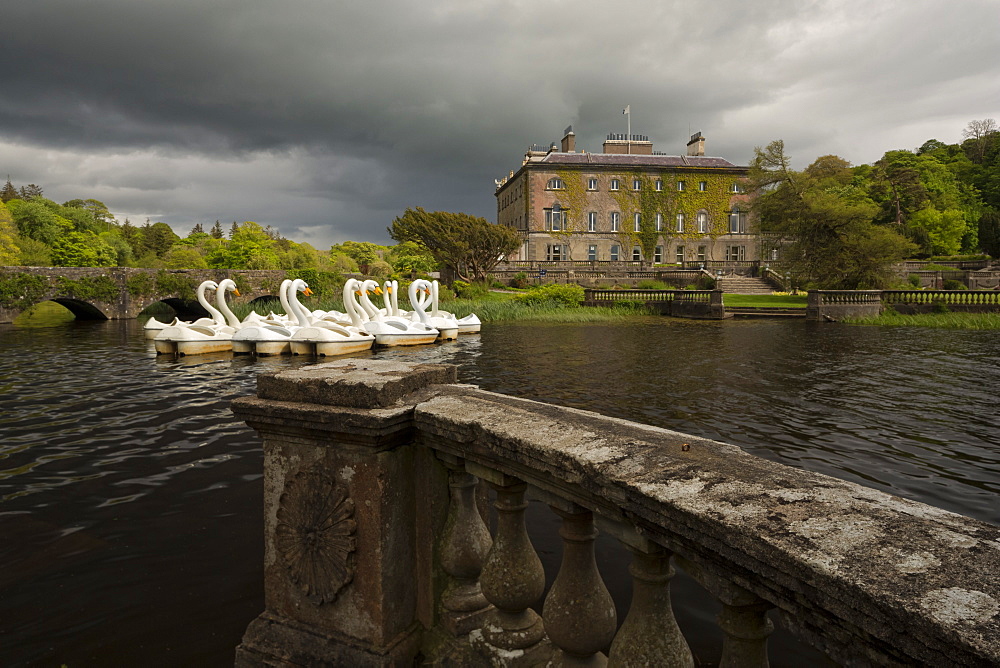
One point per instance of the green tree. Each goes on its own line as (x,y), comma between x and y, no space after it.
(82,249)
(158,238)
(249,248)
(36,220)
(410,257)
(216,231)
(184,257)
(10,253)
(825,221)
(30,191)
(989,232)
(977,134)
(101,219)
(470,246)
(8,192)
(297,256)
(34,253)
(197,229)
(364,253)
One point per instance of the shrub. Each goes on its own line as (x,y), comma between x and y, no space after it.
(380,269)
(952,284)
(469,290)
(650,284)
(563,295)
(519,280)
(140,284)
(914,280)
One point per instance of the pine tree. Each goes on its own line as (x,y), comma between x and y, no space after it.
(216,231)
(8,192)
(30,191)
(197,229)
(234,230)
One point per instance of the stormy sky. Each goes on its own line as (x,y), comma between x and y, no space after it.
(326,119)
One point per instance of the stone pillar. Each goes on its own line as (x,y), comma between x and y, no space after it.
(743,618)
(512,580)
(464,544)
(650,635)
(717,309)
(340,513)
(745,623)
(579,612)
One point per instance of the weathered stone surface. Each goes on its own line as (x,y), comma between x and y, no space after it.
(868,577)
(353,383)
(865,575)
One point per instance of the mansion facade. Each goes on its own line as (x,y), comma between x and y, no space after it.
(628,203)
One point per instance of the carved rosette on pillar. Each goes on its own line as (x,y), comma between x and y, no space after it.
(341,559)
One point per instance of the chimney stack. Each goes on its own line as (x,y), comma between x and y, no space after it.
(697,144)
(569,140)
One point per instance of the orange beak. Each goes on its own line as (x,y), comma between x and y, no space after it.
(236,292)
(307,292)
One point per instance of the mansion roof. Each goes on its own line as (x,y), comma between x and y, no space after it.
(634,160)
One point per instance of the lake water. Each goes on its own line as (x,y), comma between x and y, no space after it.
(130,498)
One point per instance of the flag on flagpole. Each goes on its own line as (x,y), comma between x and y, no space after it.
(626,109)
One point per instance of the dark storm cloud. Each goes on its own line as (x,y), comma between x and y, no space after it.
(326,119)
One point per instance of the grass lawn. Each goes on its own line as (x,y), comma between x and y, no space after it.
(770,301)
(938,320)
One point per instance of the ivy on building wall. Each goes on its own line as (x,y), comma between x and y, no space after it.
(19,290)
(669,202)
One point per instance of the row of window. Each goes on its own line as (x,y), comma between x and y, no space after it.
(559,252)
(555,221)
(592,184)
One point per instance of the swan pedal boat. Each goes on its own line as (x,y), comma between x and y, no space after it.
(328,340)
(193,340)
(394,331)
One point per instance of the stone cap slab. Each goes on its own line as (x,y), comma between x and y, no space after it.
(354,383)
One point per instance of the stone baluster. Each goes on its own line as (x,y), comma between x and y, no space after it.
(744,621)
(512,579)
(579,612)
(464,544)
(649,636)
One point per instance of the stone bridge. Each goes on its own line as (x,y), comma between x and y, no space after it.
(114,293)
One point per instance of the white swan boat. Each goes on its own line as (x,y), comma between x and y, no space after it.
(470,324)
(152,327)
(325,338)
(206,335)
(264,338)
(391,331)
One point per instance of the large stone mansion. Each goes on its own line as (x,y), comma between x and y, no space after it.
(628,203)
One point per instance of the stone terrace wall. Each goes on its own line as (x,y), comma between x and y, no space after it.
(376,552)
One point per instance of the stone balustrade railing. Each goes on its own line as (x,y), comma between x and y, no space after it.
(941,297)
(700,304)
(377,550)
(836,304)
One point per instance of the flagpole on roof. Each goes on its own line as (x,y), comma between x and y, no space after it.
(628,137)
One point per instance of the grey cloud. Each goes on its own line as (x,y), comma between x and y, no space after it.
(330,118)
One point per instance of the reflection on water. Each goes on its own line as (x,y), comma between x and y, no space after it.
(45,314)
(125,480)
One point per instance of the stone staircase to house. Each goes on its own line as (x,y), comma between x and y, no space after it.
(744,285)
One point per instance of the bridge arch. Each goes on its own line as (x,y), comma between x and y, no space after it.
(80,309)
